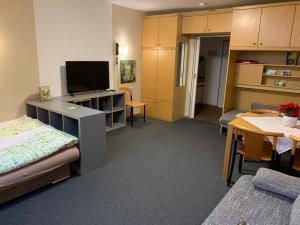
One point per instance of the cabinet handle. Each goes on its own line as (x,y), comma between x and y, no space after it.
(260,43)
(204,30)
(208,29)
(254,43)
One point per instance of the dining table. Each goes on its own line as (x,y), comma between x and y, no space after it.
(259,122)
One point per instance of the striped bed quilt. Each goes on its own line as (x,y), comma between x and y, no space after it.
(26,140)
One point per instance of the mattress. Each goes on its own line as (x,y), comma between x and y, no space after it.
(39,168)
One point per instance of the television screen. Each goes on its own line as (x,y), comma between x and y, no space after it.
(84,76)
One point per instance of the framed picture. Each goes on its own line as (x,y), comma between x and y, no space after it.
(44,93)
(291,58)
(286,73)
(279,83)
(127,71)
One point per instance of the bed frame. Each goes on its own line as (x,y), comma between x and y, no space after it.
(20,189)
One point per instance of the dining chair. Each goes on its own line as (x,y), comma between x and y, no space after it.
(254,147)
(132,104)
(295,155)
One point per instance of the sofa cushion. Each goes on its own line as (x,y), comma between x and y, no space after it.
(261,106)
(229,116)
(295,213)
(244,203)
(277,182)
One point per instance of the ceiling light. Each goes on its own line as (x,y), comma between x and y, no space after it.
(202,4)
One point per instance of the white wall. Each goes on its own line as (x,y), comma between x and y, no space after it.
(18,57)
(127,31)
(71,30)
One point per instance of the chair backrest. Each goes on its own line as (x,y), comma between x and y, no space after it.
(254,141)
(267,112)
(128,92)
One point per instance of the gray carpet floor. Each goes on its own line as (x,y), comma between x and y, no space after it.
(157,173)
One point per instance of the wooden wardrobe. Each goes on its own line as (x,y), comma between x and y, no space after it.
(159,51)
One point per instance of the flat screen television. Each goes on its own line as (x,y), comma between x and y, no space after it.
(86,76)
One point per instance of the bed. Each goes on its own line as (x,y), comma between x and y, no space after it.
(33,155)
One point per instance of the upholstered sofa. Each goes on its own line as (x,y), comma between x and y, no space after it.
(269,198)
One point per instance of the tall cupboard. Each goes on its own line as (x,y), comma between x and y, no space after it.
(159,48)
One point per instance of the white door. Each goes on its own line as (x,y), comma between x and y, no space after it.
(192,76)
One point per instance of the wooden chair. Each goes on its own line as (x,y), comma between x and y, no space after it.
(267,112)
(295,155)
(132,104)
(254,147)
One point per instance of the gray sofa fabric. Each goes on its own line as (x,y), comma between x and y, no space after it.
(295,214)
(229,116)
(277,182)
(245,203)
(261,106)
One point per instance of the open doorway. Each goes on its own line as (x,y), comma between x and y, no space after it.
(209,66)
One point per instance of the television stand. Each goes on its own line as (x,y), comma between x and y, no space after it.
(110,102)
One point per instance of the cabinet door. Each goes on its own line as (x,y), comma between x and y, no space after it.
(150,107)
(165,74)
(276,26)
(164,110)
(219,23)
(150,33)
(149,73)
(167,32)
(194,24)
(295,40)
(245,28)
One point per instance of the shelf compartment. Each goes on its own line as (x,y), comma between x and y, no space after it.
(94,103)
(86,103)
(105,104)
(118,117)
(31,111)
(43,115)
(56,120)
(70,126)
(108,119)
(118,100)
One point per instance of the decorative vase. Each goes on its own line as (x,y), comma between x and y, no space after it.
(289,121)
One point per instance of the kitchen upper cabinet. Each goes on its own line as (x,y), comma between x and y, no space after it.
(194,24)
(219,23)
(149,71)
(160,32)
(276,26)
(295,39)
(150,32)
(245,27)
(167,32)
(212,23)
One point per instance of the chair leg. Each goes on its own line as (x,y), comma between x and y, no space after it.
(232,163)
(277,160)
(273,160)
(131,109)
(221,129)
(291,165)
(144,113)
(241,163)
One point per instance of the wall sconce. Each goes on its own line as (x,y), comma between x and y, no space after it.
(123,50)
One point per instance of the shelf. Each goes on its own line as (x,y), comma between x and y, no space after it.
(277,76)
(269,88)
(282,65)
(116,109)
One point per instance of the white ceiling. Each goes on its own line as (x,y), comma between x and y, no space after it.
(169,5)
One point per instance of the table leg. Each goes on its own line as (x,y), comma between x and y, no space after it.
(228,153)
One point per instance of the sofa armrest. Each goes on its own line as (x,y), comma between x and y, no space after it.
(277,182)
